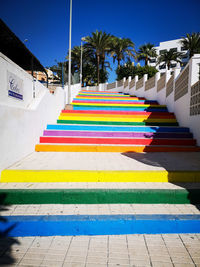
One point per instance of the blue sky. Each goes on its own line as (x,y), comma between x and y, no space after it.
(45,23)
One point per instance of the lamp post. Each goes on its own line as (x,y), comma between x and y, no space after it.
(69,71)
(81,70)
(81,64)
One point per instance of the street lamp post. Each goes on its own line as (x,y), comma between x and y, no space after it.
(81,65)
(69,71)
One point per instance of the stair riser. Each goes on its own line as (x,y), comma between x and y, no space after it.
(124,109)
(107,148)
(119,105)
(117,134)
(101,196)
(115,119)
(115,102)
(56,176)
(111,98)
(117,123)
(115,141)
(121,113)
(146,129)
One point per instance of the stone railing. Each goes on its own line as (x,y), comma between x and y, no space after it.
(181,84)
(120,83)
(126,83)
(140,83)
(161,82)
(150,83)
(195,99)
(170,86)
(132,83)
(111,86)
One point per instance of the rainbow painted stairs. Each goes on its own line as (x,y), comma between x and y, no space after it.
(108,187)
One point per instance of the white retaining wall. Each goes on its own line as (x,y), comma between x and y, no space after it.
(180,107)
(23,121)
(75,88)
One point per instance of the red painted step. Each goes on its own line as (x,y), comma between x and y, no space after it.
(118,141)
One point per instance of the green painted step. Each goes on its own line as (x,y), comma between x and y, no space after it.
(99,196)
(118,123)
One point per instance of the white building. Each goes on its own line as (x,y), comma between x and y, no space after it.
(166,46)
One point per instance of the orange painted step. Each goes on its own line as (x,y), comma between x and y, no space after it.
(120,149)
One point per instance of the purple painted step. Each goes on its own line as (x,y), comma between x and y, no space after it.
(117,134)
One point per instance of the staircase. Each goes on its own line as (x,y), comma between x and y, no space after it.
(112,122)
(107,193)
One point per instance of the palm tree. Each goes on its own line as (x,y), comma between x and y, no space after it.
(146,52)
(76,57)
(99,44)
(121,48)
(169,56)
(191,43)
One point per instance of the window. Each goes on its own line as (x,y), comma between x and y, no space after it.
(183,48)
(161,67)
(163,51)
(153,60)
(173,49)
(184,56)
(173,65)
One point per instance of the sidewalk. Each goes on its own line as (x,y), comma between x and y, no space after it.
(105,251)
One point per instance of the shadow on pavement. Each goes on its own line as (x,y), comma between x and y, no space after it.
(6,242)
(173,161)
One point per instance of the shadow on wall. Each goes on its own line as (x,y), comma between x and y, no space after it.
(173,161)
(6,242)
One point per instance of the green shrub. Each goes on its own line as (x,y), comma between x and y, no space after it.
(129,70)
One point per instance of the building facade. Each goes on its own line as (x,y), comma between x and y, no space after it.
(174,45)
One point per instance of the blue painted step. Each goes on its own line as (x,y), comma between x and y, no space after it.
(152,129)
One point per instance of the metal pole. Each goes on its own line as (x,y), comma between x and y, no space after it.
(69,72)
(62,75)
(81,70)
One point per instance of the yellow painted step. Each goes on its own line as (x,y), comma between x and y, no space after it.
(115,115)
(119,105)
(98,118)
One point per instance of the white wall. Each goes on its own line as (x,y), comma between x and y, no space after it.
(22,122)
(6,65)
(75,89)
(181,107)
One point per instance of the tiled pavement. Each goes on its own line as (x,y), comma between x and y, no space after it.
(99,209)
(93,251)
(102,185)
(164,250)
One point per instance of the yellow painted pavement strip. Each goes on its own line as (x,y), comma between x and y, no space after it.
(39,176)
(98,118)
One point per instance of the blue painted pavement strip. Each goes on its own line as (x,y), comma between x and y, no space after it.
(98,225)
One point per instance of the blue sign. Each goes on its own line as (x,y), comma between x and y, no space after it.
(15,86)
